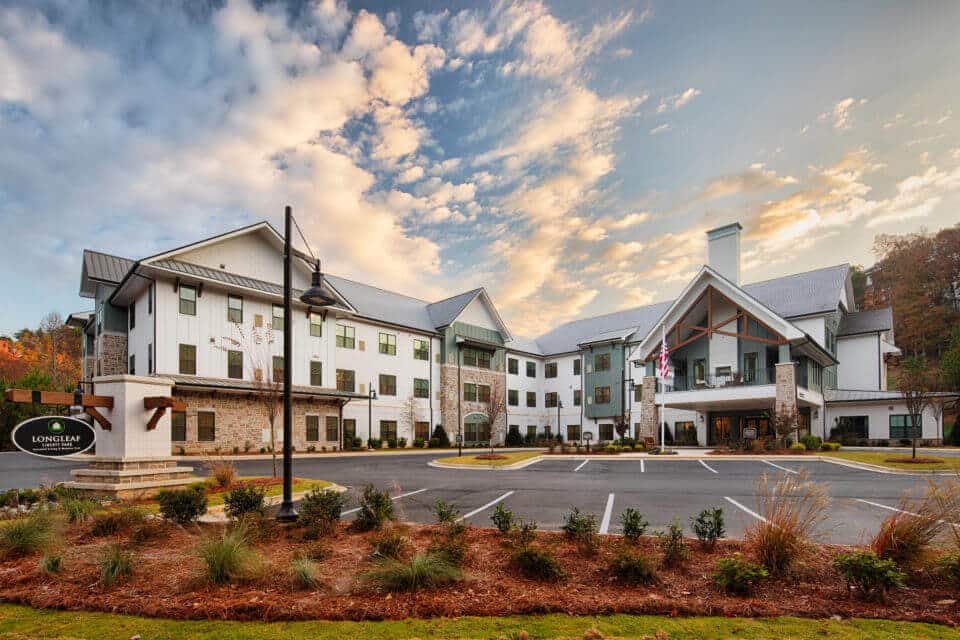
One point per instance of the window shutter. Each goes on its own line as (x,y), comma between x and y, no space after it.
(363,346)
(363,388)
(258,375)
(257,320)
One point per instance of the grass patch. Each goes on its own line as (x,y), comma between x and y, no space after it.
(483,459)
(229,558)
(894,461)
(23,536)
(18,622)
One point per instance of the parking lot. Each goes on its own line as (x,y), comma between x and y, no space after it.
(661,488)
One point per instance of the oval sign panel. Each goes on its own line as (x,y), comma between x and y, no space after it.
(53,436)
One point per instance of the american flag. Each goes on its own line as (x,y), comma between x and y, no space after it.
(664,365)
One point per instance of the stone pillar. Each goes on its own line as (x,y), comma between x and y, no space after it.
(130,461)
(649,411)
(786,399)
(113,354)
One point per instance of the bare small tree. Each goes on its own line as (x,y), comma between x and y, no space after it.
(256,345)
(621,426)
(493,409)
(917,384)
(408,413)
(784,424)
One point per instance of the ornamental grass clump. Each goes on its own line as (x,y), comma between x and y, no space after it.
(304,573)
(793,509)
(423,571)
(444,511)
(871,575)
(229,558)
(116,563)
(223,473)
(905,535)
(23,536)
(51,563)
(376,508)
(634,524)
(79,509)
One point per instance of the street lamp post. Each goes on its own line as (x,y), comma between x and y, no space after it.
(559,406)
(371,396)
(313,296)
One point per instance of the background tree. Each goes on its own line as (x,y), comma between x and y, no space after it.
(621,425)
(408,415)
(917,384)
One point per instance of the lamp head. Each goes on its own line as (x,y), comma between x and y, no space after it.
(315,296)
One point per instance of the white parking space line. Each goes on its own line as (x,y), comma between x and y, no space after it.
(605,523)
(909,513)
(778,466)
(581,466)
(642,468)
(394,498)
(488,505)
(743,508)
(707,467)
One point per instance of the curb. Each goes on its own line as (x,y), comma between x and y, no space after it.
(302,455)
(866,466)
(486,467)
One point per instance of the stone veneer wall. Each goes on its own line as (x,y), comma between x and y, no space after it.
(649,411)
(786,399)
(113,355)
(450,394)
(241,418)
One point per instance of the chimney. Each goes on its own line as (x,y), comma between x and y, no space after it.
(723,251)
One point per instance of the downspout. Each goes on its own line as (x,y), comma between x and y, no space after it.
(459,403)
(879,362)
(583,364)
(430,397)
(340,422)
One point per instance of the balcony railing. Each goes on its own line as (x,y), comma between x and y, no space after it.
(723,380)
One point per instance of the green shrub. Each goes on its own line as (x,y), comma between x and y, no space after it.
(244,499)
(708,526)
(229,558)
(182,505)
(869,573)
(830,446)
(811,442)
(79,510)
(502,518)
(23,536)
(672,545)
(513,439)
(51,563)
(949,567)
(444,511)
(423,571)
(115,563)
(581,528)
(223,473)
(798,446)
(148,530)
(390,543)
(633,523)
(321,509)
(736,575)
(108,523)
(376,507)
(525,533)
(440,437)
(632,568)
(536,564)
(304,573)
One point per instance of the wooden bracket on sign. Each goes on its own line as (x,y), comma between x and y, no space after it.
(160,404)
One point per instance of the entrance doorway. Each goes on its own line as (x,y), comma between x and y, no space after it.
(725,427)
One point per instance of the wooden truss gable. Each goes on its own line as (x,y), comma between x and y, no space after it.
(677,334)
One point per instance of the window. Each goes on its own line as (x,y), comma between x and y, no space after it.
(421,349)
(576,367)
(638,393)
(531,369)
(235,364)
(685,433)
(469,392)
(188,300)
(700,370)
(132,314)
(133,366)
(601,362)
(346,380)
(150,358)
(388,344)
(531,431)
(573,432)
(601,395)
(346,336)
(388,429)
(476,429)
(313,428)
(178,426)
(316,373)
(550,370)
(577,397)
(277,322)
(421,388)
(278,368)
(333,429)
(349,429)
(421,430)
(531,398)
(513,398)
(513,366)
(750,367)
(206,426)
(234,309)
(483,393)
(546,430)
(316,325)
(550,399)
(851,427)
(476,358)
(388,385)
(188,359)
(150,299)
(606,431)
(901,426)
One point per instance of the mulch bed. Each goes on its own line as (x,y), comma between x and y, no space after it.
(167,582)
(916,460)
(490,456)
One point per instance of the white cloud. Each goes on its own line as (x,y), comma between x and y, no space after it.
(660,128)
(677,100)
(842,112)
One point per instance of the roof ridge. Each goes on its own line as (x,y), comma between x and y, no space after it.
(610,313)
(457,295)
(799,273)
(109,255)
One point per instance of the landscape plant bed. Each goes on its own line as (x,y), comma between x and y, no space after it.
(761,452)
(167,582)
(486,460)
(917,460)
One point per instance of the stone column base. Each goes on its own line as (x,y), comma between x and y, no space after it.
(130,478)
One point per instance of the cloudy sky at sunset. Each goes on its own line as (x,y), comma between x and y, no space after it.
(566,155)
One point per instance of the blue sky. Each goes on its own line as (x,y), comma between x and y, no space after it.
(568,156)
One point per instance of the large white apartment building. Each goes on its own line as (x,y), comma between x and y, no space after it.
(208,315)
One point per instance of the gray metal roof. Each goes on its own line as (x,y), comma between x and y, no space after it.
(801,294)
(199,271)
(247,385)
(567,337)
(105,267)
(526,345)
(869,321)
(444,312)
(853,395)
(382,305)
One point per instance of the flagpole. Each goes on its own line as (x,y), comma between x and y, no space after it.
(663,394)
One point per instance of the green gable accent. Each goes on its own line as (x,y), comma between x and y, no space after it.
(448,347)
(612,377)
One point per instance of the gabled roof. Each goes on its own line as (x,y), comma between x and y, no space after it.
(870,321)
(382,305)
(802,294)
(444,312)
(101,267)
(567,337)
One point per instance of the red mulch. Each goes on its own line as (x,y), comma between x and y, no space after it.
(905,460)
(491,456)
(167,583)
